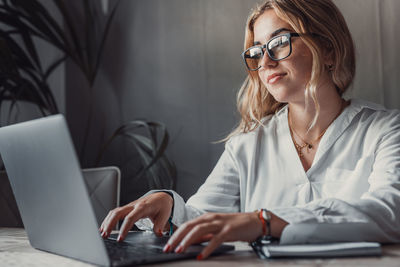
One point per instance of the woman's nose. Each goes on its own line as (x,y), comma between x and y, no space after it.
(267,62)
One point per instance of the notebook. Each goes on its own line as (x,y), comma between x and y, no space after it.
(327,250)
(54,203)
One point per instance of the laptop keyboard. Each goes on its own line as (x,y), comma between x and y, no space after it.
(124,251)
(143,247)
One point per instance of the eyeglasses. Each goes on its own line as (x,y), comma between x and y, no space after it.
(278,48)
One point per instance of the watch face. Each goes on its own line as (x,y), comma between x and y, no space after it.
(266,215)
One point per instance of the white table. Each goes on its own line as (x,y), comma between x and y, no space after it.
(15,250)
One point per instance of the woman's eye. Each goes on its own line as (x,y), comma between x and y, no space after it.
(278,42)
(255,53)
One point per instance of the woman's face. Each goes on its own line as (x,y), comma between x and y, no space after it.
(286,80)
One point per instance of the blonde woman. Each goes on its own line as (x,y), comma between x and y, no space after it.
(304,165)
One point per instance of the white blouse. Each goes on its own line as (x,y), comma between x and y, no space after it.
(350,193)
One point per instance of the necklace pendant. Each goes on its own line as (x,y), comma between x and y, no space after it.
(310,146)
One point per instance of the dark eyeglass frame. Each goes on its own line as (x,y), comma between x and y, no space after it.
(263,48)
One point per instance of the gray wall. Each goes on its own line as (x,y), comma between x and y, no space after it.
(374,25)
(178,62)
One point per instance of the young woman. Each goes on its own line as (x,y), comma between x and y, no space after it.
(304,165)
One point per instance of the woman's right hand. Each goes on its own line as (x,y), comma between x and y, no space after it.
(157,207)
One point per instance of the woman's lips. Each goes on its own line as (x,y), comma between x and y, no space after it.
(273,78)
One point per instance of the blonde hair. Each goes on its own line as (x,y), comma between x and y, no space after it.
(309,18)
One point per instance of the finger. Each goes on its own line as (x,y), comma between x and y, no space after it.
(126,226)
(104,225)
(204,238)
(103,222)
(113,218)
(185,228)
(178,235)
(160,222)
(214,243)
(197,233)
(166,227)
(137,213)
(106,219)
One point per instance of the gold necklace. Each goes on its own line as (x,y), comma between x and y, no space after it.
(309,145)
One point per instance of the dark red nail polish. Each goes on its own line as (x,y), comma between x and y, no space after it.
(166,248)
(179,249)
(199,257)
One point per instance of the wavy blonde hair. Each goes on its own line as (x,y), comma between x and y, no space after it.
(309,18)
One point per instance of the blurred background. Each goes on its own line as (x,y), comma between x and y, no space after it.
(178,62)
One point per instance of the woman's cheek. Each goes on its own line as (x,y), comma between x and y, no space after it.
(263,78)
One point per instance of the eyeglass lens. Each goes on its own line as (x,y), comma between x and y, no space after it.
(278,48)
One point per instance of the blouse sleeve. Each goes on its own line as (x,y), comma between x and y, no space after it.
(373,217)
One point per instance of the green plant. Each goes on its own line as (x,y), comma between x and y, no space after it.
(150,146)
(82,39)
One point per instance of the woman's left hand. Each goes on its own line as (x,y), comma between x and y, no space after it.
(215,228)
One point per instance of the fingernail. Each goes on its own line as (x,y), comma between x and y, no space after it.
(159,232)
(178,249)
(199,257)
(166,248)
(119,239)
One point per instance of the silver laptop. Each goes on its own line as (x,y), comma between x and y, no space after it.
(54,203)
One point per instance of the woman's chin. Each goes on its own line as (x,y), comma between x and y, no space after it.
(283,94)
(279,96)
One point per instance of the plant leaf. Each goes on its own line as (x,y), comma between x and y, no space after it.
(77,47)
(53,66)
(159,171)
(36,15)
(103,40)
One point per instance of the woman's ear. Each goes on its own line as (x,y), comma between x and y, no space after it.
(329,62)
(328,55)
